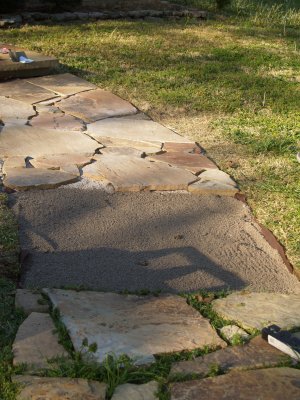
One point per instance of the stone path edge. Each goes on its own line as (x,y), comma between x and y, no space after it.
(270,238)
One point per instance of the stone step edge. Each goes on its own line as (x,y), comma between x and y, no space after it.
(14,20)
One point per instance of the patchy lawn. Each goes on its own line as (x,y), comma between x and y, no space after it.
(231,83)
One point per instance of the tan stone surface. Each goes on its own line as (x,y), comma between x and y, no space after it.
(63,84)
(137,326)
(96,104)
(190,161)
(191,148)
(215,175)
(229,332)
(121,151)
(257,310)
(26,141)
(255,354)
(263,384)
(212,188)
(132,174)
(41,388)
(146,147)
(129,391)
(21,90)
(57,161)
(13,162)
(14,109)
(137,130)
(30,301)
(35,342)
(36,178)
(57,121)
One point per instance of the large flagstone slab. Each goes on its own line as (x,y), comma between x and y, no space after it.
(255,354)
(57,121)
(21,90)
(30,301)
(257,310)
(43,388)
(96,104)
(191,160)
(145,147)
(13,162)
(63,84)
(129,391)
(264,384)
(137,326)
(14,109)
(37,178)
(137,130)
(213,188)
(35,342)
(18,140)
(133,174)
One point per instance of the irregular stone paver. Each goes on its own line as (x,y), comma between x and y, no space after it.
(231,331)
(37,178)
(190,148)
(265,384)
(212,188)
(122,151)
(145,147)
(63,84)
(256,354)
(14,109)
(35,342)
(137,326)
(137,130)
(30,301)
(21,90)
(257,310)
(26,141)
(57,161)
(41,388)
(133,174)
(57,121)
(129,391)
(193,162)
(213,175)
(95,104)
(13,162)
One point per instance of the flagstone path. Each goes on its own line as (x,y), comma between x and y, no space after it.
(134,206)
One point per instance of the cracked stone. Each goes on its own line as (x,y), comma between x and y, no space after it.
(122,151)
(11,109)
(267,384)
(96,104)
(129,391)
(230,332)
(38,388)
(132,174)
(35,342)
(61,161)
(136,130)
(57,121)
(255,354)
(21,90)
(257,310)
(139,326)
(37,178)
(30,301)
(63,84)
(145,147)
(16,140)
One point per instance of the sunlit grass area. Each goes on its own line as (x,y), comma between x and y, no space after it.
(231,83)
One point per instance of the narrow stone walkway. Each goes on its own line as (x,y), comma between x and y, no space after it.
(134,206)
